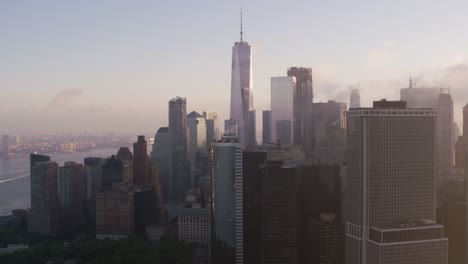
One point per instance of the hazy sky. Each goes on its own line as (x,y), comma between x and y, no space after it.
(109,65)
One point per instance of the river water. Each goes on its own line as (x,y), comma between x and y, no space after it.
(14,177)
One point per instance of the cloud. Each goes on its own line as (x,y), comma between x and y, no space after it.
(63,98)
(378,57)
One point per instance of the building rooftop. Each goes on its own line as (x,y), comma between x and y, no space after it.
(194,114)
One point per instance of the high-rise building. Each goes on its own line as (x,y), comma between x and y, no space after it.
(445,140)
(251,173)
(194,225)
(231,127)
(212,127)
(93,179)
(140,161)
(465,126)
(71,195)
(197,129)
(421,97)
(228,193)
(322,230)
(329,130)
(125,154)
(303,98)
(44,217)
(266,131)
(282,108)
(242,90)
(160,156)
(280,213)
(147,210)
(115,213)
(179,180)
(6,145)
(116,170)
(460,153)
(355,99)
(390,186)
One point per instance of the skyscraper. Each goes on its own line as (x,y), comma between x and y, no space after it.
(282,108)
(465,127)
(116,171)
(93,179)
(71,195)
(242,90)
(280,213)
(179,167)
(329,130)
(212,127)
(266,131)
(355,99)
(303,98)
(115,213)
(44,218)
(6,145)
(445,140)
(197,128)
(228,193)
(390,186)
(160,156)
(140,161)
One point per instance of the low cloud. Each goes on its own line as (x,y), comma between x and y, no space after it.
(63,98)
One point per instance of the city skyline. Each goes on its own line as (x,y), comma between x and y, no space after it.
(81,75)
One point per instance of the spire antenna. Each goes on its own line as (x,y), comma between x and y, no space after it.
(241,26)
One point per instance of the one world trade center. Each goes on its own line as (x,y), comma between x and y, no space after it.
(242,108)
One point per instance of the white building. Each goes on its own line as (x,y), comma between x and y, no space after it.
(390,186)
(228,193)
(282,109)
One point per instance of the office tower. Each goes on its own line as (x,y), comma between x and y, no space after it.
(147,209)
(460,153)
(178,160)
(390,186)
(197,132)
(115,214)
(71,195)
(227,194)
(242,90)
(252,131)
(116,171)
(445,140)
(465,126)
(303,98)
(140,161)
(194,225)
(44,217)
(266,131)
(329,129)
(212,127)
(331,149)
(251,173)
(160,156)
(125,154)
(6,145)
(421,97)
(355,99)
(321,228)
(328,245)
(93,179)
(200,168)
(280,215)
(452,215)
(283,132)
(231,127)
(282,108)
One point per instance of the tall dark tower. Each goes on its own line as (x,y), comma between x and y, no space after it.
(178,160)
(303,98)
(140,161)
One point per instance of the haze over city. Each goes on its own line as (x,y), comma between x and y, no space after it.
(71,67)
